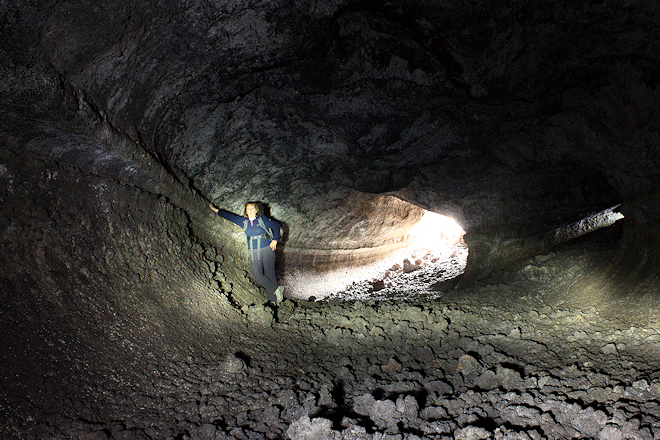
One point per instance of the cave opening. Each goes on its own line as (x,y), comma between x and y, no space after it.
(429,252)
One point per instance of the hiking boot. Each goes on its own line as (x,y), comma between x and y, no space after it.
(279,294)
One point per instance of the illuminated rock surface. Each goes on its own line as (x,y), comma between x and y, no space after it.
(127,309)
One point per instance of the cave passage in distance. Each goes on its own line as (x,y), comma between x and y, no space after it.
(436,252)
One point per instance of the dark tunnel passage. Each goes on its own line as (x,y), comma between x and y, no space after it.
(468,194)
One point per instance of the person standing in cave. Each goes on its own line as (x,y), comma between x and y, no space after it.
(262,235)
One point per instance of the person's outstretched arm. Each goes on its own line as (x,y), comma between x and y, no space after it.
(236,219)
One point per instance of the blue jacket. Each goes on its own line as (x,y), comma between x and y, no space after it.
(253,228)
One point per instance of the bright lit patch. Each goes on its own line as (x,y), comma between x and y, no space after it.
(435,231)
(436,253)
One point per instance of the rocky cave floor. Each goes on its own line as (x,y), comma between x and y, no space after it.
(538,351)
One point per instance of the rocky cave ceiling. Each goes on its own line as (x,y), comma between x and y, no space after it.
(511,118)
(347,118)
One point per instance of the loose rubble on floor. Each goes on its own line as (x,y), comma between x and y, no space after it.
(411,273)
(498,361)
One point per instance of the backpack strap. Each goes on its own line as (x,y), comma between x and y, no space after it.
(269,231)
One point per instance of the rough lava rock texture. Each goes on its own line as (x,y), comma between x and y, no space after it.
(128,310)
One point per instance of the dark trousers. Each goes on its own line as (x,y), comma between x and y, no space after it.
(262,266)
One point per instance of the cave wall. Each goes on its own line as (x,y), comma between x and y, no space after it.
(96,278)
(89,250)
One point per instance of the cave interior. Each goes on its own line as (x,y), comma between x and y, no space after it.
(128,310)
